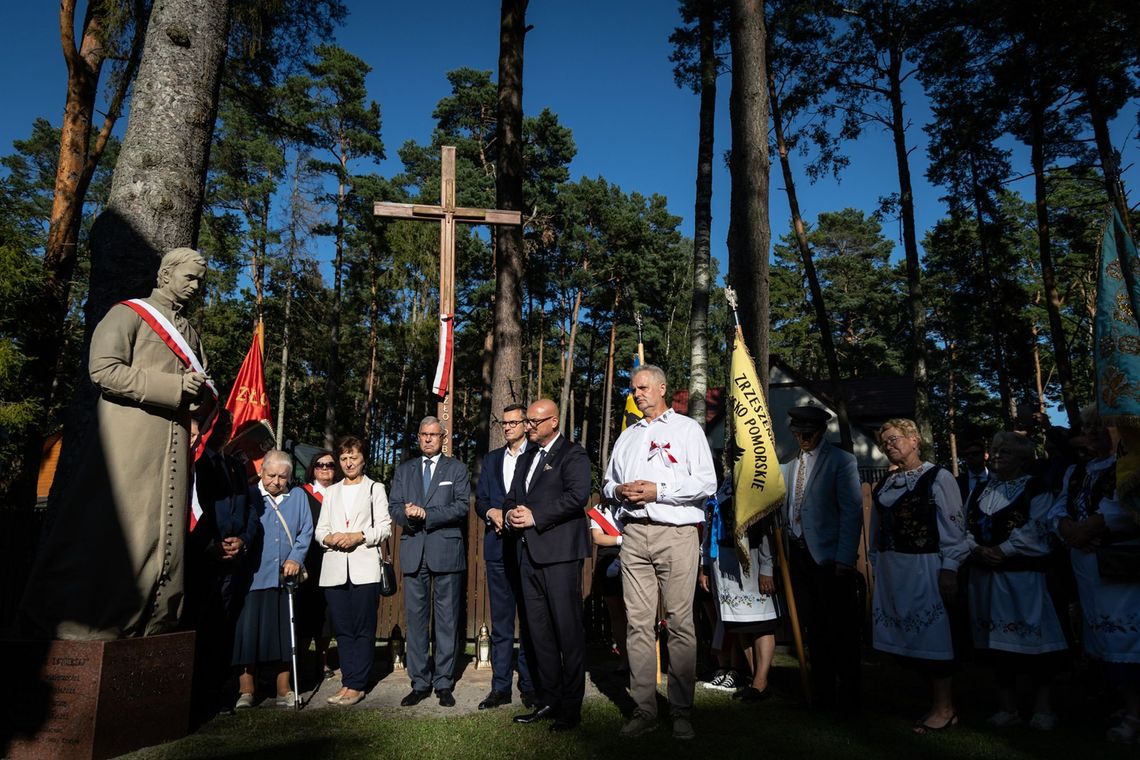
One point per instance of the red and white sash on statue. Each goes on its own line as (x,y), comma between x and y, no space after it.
(446,347)
(181,349)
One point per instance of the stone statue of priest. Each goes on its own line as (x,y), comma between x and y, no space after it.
(112,565)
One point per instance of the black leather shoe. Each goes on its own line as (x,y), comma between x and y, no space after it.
(566,723)
(446,698)
(495,699)
(528,699)
(543,713)
(415,696)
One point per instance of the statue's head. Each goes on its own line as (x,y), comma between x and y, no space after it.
(181,273)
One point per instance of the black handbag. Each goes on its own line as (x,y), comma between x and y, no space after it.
(388,585)
(387,574)
(1119,563)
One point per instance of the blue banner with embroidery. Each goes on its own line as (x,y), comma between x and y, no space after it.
(1118,354)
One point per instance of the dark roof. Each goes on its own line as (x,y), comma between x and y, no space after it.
(714,399)
(870,400)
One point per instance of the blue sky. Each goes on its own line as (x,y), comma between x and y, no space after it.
(601,65)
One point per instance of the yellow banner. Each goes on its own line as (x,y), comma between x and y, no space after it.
(757,483)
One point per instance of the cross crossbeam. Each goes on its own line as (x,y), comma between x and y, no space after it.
(447,214)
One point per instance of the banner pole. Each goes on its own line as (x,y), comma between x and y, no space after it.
(793,614)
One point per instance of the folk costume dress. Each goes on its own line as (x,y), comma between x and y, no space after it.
(1111,608)
(740,605)
(918,531)
(1010,606)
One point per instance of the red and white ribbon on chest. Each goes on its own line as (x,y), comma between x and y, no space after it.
(662,450)
(177,344)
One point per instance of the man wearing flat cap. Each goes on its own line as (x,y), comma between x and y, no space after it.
(824,515)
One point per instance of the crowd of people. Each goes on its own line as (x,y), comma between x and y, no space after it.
(993,565)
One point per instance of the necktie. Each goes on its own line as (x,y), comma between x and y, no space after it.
(798,500)
(427,476)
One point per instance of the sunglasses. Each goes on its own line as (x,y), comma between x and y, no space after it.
(324,466)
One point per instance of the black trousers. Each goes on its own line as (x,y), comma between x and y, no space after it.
(353,612)
(552,599)
(831,612)
(505,590)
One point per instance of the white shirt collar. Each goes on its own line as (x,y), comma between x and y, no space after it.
(265,494)
(434,460)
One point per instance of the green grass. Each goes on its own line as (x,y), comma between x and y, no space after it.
(777,728)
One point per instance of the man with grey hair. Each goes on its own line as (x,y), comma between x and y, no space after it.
(113,565)
(428,500)
(661,473)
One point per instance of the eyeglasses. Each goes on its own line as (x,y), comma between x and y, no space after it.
(324,466)
(512,423)
(539,421)
(893,440)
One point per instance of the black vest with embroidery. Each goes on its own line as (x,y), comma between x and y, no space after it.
(1101,488)
(995,529)
(910,525)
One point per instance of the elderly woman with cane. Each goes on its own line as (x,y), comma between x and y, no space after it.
(264,632)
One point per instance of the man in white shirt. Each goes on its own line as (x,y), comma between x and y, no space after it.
(501,556)
(661,473)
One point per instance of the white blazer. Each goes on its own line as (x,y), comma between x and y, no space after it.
(362,564)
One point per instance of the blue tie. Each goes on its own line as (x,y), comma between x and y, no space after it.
(427,476)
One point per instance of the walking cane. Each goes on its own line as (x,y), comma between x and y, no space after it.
(290,589)
(797,634)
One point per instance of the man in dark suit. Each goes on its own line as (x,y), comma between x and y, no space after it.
(975,473)
(220,559)
(825,517)
(500,553)
(546,507)
(429,501)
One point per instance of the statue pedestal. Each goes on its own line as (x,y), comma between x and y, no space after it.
(95,699)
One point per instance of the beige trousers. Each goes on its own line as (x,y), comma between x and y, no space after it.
(660,562)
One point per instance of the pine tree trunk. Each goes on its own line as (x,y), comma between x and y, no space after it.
(986,246)
(823,322)
(916,301)
(702,226)
(155,202)
(332,381)
(608,386)
(1109,162)
(568,368)
(1048,274)
(506,370)
(749,233)
(373,318)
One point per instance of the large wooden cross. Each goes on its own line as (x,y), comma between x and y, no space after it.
(447,214)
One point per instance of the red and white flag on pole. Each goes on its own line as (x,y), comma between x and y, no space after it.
(446,349)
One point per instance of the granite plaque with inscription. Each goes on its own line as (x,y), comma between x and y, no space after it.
(96,699)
